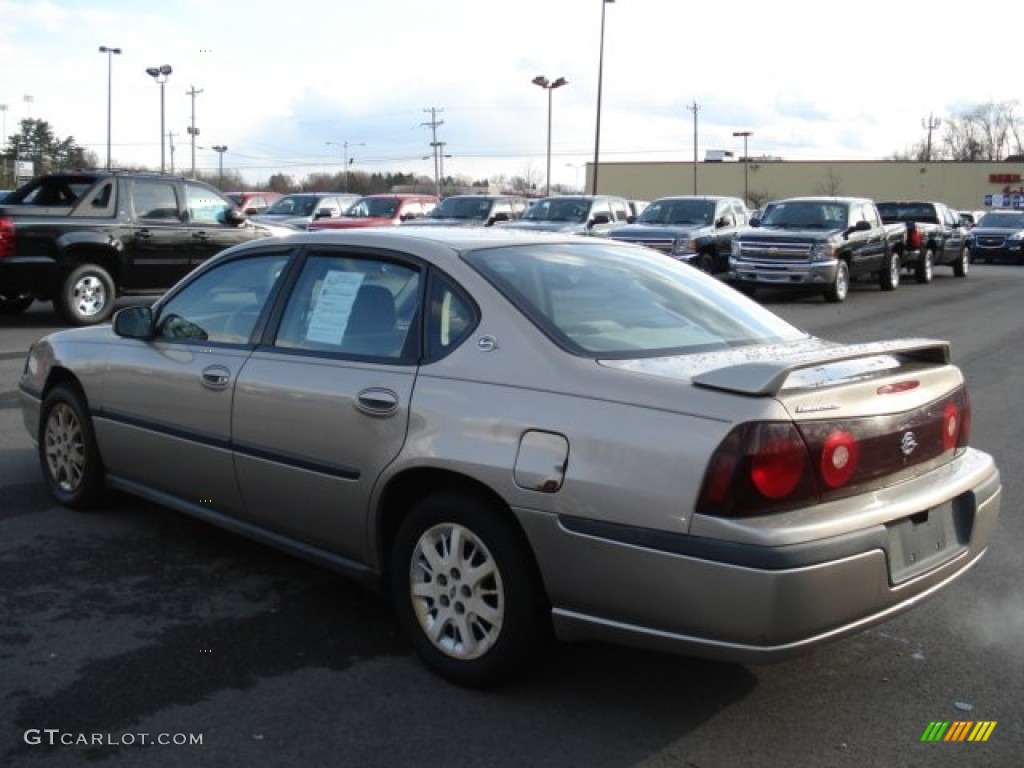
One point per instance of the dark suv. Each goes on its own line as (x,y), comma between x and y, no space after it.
(998,235)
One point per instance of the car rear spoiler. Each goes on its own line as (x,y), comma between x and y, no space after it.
(766,379)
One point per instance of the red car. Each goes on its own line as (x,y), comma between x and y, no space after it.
(382,210)
(253,202)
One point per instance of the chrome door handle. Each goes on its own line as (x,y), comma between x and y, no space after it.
(216,377)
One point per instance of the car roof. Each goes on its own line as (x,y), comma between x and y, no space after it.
(458,238)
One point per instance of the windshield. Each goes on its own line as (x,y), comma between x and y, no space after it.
(692,212)
(558,209)
(294,205)
(596,299)
(462,208)
(1002,220)
(373,208)
(807,214)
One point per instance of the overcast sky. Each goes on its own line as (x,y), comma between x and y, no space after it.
(280,80)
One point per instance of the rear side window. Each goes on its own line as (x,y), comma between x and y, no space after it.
(349,305)
(153,199)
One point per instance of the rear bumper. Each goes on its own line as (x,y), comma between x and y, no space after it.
(748,603)
(20,276)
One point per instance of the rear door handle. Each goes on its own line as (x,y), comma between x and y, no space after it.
(377,401)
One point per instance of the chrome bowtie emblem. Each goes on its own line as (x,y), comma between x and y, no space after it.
(908,443)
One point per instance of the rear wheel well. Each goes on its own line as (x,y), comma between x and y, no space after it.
(404,490)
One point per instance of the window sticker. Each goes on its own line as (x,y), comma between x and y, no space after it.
(333,306)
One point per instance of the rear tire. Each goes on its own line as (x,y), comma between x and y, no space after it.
(466,590)
(68,454)
(86,295)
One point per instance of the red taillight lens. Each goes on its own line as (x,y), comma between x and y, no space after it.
(779,462)
(758,468)
(839,458)
(914,238)
(950,426)
(6,237)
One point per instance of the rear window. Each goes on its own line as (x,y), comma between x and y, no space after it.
(602,300)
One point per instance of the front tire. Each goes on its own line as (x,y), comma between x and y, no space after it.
(889,276)
(840,287)
(466,590)
(962,265)
(925,266)
(86,295)
(68,454)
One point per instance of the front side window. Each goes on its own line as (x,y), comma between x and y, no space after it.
(205,206)
(223,304)
(594,299)
(351,305)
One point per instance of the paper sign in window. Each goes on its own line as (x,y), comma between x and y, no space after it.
(333,306)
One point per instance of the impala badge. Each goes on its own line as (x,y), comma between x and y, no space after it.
(908,443)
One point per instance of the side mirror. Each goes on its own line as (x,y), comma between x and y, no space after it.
(723,221)
(323,213)
(599,218)
(862,226)
(755,222)
(503,216)
(134,323)
(631,219)
(236,217)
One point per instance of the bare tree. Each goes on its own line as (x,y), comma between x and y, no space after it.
(832,184)
(985,132)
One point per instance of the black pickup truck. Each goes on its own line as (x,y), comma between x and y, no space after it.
(83,238)
(935,236)
(817,244)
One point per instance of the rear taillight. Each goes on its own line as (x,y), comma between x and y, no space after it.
(913,238)
(767,467)
(6,237)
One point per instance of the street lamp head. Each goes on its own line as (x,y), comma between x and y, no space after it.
(220,148)
(159,72)
(105,49)
(540,80)
(165,69)
(559,82)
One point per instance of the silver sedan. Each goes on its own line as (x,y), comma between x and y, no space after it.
(516,435)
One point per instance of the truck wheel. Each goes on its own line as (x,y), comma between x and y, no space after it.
(962,264)
(889,276)
(840,285)
(704,263)
(466,590)
(15,305)
(86,296)
(68,453)
(925,266)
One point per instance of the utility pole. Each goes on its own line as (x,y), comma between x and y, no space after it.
(930,125)
(192,130)
(695,109)
(435,145)
(170,142)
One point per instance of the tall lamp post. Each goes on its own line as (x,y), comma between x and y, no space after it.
(111,52)
(549,86)
(746,164)
(344,156)
(160,74)
(220,149)
(600,77)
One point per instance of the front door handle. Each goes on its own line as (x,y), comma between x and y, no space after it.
(377,401)
(216,377)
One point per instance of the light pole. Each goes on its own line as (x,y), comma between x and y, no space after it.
(344,156)
(220,149)
(3,168)
(191,129)
(600,76)
(160,74)
(746,164)
(549,86)
(111,52)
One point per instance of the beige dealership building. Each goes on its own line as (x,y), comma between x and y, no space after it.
(961,185)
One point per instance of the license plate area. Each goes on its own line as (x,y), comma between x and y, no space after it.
(924,541)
